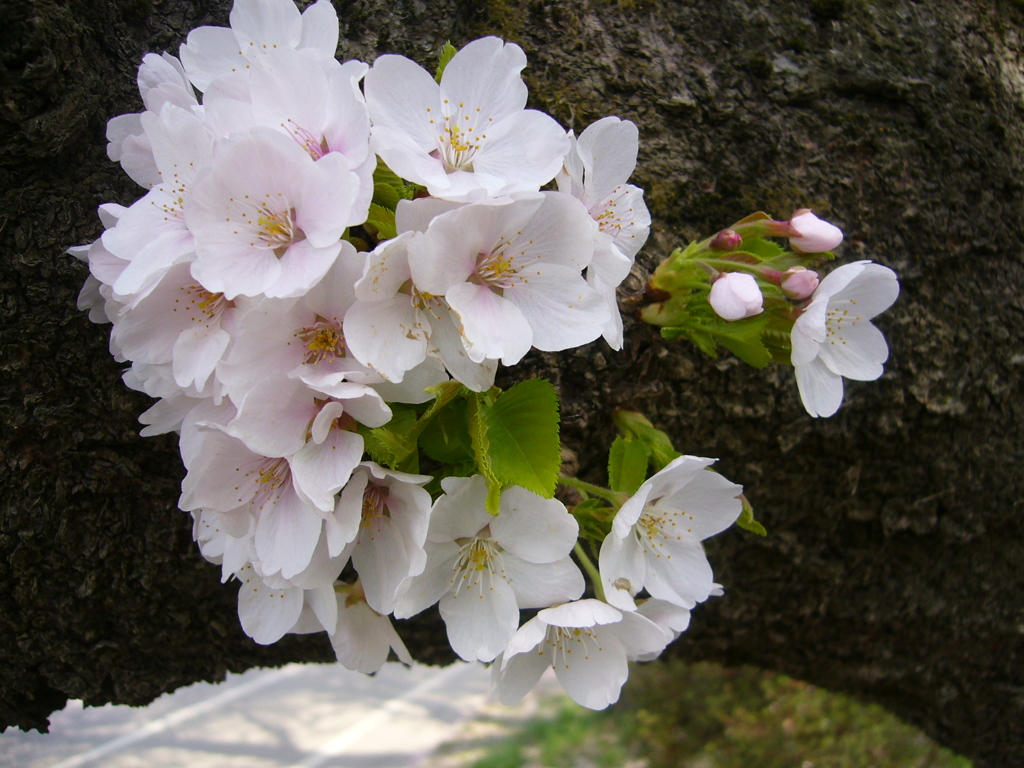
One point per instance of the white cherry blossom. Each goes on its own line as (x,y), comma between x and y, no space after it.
(655,541)
(381,521)
(588,643)
(257,27)
(468,137)
(511,273)
(267,218)
(483,569)
(833,337)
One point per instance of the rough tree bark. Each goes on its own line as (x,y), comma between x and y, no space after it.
(892,569)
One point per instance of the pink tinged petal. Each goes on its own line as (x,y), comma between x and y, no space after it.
(196,353)
(523,151)
(320,471)
(418,593)
(821,390)
(446,345)
(814,235)
(286,534)
(302,267)
(512,677)
(388,336)
(407,157)
(416,215)
(707,505)
(274,416)
(491,327)
(210,52)
(838,279)
(642,637)
(325,204)
(386,269)
(324,605)
(289,92)
(480,614)
(320,27)
(735,296)
(678,570)
(343,523)
(809,332)
(266,24)
(533,528)
(324,421)
(403,98)
(542,585)
(855,350)
(608,149)
(871,292)
(670,617)
(623,570)
(582,613)
(630,512)
(266,614)
(222,474)
(363,638)
(591,666)
(562,310)
(460,513)
(486,74)
(382,561)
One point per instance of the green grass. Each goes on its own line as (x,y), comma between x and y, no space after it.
(675,715)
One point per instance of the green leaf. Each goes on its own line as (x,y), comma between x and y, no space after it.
(389,187)
(627,465)
(383,220)
(522,434)
(447,52)
(447,437)
(393,443)
(480,440)
(747,521)
(657,444)
(761,248)
(385,196)
(743,339)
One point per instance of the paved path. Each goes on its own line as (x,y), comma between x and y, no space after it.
(300,716)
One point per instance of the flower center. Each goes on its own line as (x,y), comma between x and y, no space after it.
(375,507)
(478,563)
(316,147)
(460,137)
(837,320)
(200,304)
(270,476)
(323,340)
(562,642)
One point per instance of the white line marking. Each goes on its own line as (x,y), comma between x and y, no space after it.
(180,716)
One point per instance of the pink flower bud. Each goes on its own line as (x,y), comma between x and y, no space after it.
(812,234)
(726,240)
(798,282)
(735,295)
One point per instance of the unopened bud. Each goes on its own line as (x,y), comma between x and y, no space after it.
(812,234)
(798,282)
(726,240)
(735,295)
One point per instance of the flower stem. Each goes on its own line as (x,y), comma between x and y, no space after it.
(592,571)
(616,498)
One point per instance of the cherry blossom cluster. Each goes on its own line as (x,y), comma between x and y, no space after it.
(765,304)
(332,259)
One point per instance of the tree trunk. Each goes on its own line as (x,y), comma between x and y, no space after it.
(892,568)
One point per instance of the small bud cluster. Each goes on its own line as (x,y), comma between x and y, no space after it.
(764,304)
(330,262)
